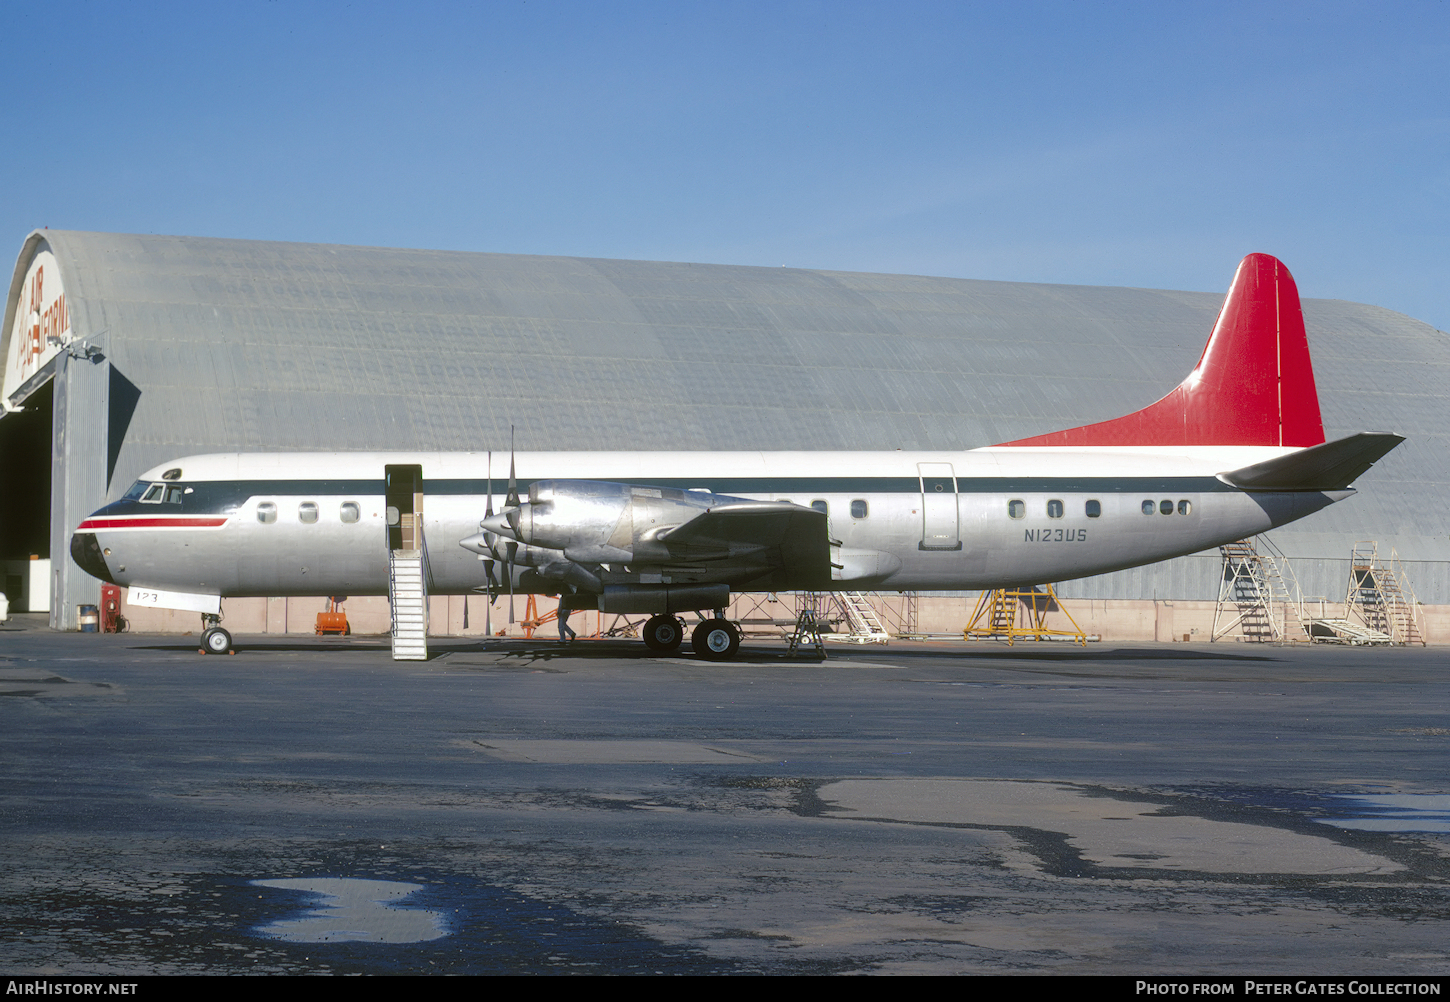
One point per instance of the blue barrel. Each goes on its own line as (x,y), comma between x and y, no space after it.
(90,619)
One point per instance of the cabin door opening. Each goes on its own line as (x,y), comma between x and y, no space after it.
(404,498)
(939,530)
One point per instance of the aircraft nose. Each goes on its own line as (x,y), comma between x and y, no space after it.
(86,552)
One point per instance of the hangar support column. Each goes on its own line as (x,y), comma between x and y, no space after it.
(77,479)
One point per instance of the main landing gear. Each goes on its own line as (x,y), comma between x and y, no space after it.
(717,639)
(664,634)
(214,640)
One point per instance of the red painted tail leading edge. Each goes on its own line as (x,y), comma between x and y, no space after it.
(1254,384)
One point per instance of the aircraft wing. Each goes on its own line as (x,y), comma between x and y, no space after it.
(789,539)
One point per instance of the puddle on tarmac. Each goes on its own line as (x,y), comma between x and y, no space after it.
(1392,812)
(449,924)
(354,910)
(1122,834)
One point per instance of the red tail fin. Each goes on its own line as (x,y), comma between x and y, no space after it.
(1254,384)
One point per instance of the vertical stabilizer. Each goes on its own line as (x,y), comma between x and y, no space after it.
(1254,384)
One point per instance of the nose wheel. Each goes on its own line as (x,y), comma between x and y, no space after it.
(664,634)
(216,641)
(716,639)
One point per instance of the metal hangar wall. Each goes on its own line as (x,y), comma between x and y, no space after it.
(121,351)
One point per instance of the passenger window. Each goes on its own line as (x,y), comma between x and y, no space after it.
(1166,507)
(858,509)
(1184,507)
(266,512)
(1054,509)
(307,512)
(154,494)
(820,506)
(1093,508)
(1149,507)
(349,511)
(1016,508)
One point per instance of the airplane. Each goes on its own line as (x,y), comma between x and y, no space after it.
(1237,448)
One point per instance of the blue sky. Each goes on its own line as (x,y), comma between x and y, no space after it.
(1143,144)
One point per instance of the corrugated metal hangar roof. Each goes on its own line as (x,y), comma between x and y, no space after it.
(253,346)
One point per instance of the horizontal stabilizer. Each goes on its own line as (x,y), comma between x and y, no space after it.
(1332,466)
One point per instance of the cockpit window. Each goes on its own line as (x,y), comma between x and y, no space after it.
(154,494)
(137,489)
(173,495)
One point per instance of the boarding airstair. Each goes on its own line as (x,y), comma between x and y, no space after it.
(1255,599)
(408,592)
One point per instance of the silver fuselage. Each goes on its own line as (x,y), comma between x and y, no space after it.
(930,521)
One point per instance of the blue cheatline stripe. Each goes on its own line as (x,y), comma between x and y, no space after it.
(215,495)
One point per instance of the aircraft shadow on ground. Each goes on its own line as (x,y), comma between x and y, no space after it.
(1032,653)
(585,650)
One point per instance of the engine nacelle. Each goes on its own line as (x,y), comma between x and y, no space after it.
(663,598)
(597,522)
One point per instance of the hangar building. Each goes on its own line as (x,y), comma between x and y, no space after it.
(122,351)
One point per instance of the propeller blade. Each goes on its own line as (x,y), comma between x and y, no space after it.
(493,588)
(511,512)
(513,549)
(512,501)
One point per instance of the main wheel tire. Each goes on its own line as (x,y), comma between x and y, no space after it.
(216,641)
(716,639)
(664,634)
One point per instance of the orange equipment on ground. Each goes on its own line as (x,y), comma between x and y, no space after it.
(334,620)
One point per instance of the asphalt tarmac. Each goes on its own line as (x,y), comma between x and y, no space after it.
(522,807)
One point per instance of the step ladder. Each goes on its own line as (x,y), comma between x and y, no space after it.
(1255,598)
(1380,595)
(810,623)
(865,624)
(408,593)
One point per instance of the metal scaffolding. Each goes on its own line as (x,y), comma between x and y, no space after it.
(1010,613)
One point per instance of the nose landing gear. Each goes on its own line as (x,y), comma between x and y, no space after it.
(214,640)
